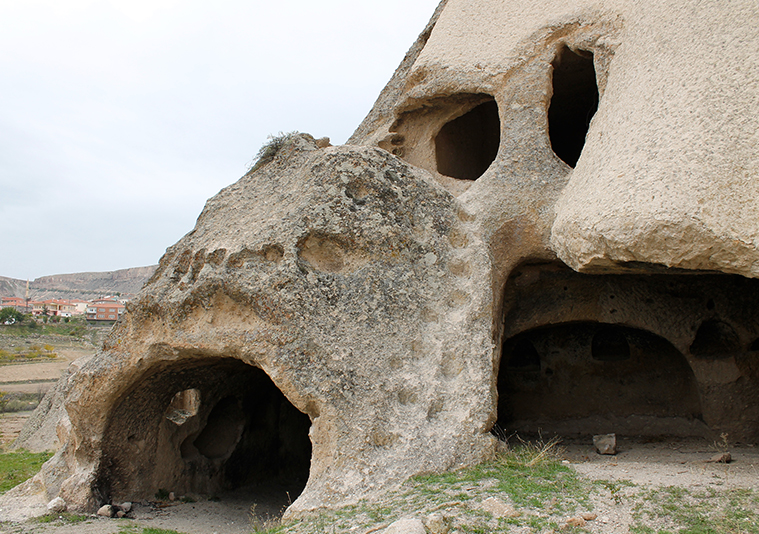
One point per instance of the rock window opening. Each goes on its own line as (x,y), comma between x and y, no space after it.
(715,340)
(222,432)
(466,146)
(218,425)
(573,104)
(183,406)
(754,347)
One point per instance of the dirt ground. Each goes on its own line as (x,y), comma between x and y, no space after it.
(682,463)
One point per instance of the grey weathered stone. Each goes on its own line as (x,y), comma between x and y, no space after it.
(605,443)
(57,506)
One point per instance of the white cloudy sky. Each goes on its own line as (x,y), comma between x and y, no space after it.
(119,118)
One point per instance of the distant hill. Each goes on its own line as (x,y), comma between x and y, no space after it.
(83,286)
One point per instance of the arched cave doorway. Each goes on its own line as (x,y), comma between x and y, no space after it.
(201,427)
(648,352)
(589,377)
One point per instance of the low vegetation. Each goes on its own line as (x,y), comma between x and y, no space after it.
(63,517)
(17,466)
(538,493)
(707,511)
(74,327)
(269,150)
(536,490)
(19,402)
(134,529)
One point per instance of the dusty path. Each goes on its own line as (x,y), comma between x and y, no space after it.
(31,377)
(230,513)
(11,424)
(646,465)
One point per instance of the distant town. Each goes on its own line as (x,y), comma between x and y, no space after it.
(107,308)
(94,296)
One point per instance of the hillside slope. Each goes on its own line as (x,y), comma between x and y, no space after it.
(79,285)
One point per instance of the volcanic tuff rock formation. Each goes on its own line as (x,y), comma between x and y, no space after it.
(345,317)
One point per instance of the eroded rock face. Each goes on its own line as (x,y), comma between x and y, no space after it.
(323,317)
(346,317)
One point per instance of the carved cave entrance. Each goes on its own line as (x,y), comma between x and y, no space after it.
(635,354)
(591,377)
(456,136)
(466,146)
(573,104)
(201,427)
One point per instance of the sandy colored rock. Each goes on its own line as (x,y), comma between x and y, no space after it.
(722,458)
(406,526)
(437,523)
(605,443)
(57,506)
(106,511)
(499,508)
(343,318)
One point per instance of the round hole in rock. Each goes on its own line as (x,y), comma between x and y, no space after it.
(466,146)
(246,436)
(183,406)
(573,104)
(652,391)
(715,340)
(223,430)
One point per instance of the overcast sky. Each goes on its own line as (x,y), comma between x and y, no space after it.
(118,119)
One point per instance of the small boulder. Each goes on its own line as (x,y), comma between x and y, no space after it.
(588,516)
(721,458)
(498,508)
(438,524)
(406,526)
(605,443)
(125,507)
(57,506)
(575,522)
(105,511)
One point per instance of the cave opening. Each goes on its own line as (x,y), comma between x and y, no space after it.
(573,104)
(640,353)
(582,377)
(715,340)
(208,426)
(467,145)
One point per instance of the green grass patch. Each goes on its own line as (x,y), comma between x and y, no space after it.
(531,478)
(17,466)
(729,511)
(64,517)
